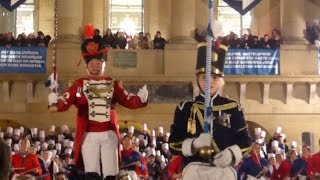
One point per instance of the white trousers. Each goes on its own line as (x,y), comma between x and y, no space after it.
(131,174)
(249,177)
(104,146)
(204,171)
(18,176)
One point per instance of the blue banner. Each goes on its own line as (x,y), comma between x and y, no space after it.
(23,60)
(11,4)
(252,62)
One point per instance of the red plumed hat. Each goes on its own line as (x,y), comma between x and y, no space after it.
(92,48)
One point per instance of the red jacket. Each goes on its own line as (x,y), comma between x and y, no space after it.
(29,163)
(315,162)
(282,172)
(69,98)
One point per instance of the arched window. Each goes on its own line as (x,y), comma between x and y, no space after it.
(19,20)
(126,15)
(232,21)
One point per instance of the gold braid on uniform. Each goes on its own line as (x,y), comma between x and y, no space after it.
(98,92)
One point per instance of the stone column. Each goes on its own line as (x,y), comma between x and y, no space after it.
(70,32)
(293,21)
(70,20)
(93,12)
(182,21)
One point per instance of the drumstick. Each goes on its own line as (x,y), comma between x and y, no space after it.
(127,165)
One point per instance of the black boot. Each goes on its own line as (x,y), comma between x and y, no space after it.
(92,176)
(110,178)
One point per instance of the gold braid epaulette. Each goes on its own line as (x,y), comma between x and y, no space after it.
(196,111)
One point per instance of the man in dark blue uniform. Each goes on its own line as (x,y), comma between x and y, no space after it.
(253,167)
(230,134)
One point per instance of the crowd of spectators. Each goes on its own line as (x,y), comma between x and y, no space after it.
(312,32)
(8,40)
(247,41)
(152,158)
(121,40)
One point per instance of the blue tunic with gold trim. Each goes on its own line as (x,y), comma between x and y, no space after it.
(229,125)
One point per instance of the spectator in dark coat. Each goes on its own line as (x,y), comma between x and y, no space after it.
(109,39)
(5,160)
(158,41)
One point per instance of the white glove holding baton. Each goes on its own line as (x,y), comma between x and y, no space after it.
(52,98)
(143,94)
(204,140)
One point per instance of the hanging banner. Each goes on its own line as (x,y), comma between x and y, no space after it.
(11,5)
(23,60)
(242,6)
(252,62)
(318,61)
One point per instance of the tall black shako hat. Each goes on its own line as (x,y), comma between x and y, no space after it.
(91,48)
(217,58)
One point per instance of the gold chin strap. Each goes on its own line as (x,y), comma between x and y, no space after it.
(98,92)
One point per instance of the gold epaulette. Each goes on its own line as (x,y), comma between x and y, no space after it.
(225,106)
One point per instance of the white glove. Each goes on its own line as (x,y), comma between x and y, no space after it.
(143,94)
(204,140)
(52,98)
(223,159)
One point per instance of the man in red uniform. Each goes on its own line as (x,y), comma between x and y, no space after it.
(95,97)
(315,163)
(25,163)
(282,168)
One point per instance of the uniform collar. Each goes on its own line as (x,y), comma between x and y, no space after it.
(212,97)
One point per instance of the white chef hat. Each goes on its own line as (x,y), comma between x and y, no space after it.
(263,134)
(160,129)
(167,134)
(257,131)
(145,142)
(165,146)
(58,146)
(64,127)
(70,144)
(66,142)
(278,130)
(60,138)
(34,131)
(42,134)
(275,143)
(141,137)
(294,144)
(143,154)
(17,132)
(158,153)
(52,128)
(153,133)
(68,151)
(9,130)
(271,155)
(283,135)
(259,141)
(162,159)
(21,129)
(1,134)
(154,142)
(16,147)
(151,151)
(54,152)
(45,145)
(51,141)
(145,127)
(131,129)
(122,135)
(279,151)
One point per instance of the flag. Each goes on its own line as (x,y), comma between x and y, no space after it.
(11,5)
(242,6)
